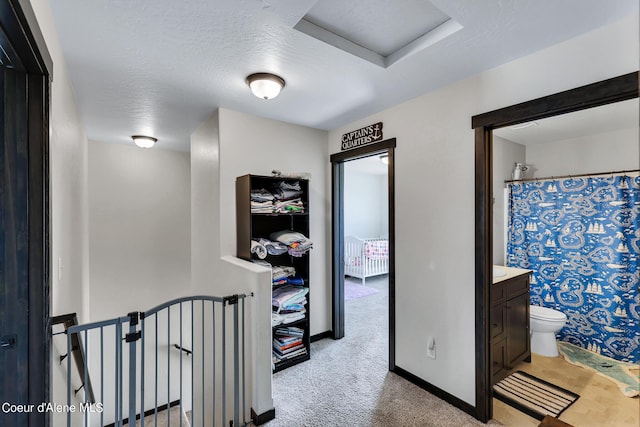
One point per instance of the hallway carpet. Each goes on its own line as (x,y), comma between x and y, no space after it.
(347,382)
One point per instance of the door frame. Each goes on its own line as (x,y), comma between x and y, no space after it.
(337,241)
(20,26)
(608,91)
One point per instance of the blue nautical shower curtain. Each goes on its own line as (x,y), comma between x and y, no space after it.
(581,239)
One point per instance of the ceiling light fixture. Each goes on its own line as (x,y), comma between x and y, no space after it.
(265,85)
(384,158)
(144,141)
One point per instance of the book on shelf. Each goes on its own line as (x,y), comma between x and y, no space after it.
(279,357)
(290,331)
(283,347)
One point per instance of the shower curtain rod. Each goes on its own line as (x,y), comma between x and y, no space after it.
(549,178)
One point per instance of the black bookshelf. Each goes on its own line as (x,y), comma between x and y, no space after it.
(261,225)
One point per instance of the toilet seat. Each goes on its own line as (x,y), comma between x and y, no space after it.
(544,313)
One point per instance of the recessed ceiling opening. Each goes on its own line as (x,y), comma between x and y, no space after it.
(382,32)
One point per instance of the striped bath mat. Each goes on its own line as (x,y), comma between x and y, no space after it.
(533,396)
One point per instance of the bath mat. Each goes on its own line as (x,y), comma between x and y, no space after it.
(625,375)
(533,396)
(354,290)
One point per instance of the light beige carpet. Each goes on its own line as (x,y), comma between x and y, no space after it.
(347,382)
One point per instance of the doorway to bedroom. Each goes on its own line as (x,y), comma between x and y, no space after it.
(363,245)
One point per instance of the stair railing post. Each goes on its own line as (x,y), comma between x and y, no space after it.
(131,338)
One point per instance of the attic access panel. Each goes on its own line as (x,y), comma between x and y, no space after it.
(380,31)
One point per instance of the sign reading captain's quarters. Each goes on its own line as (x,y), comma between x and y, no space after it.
(363,136)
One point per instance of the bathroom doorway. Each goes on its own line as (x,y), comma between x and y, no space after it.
(386,149)
(617,89)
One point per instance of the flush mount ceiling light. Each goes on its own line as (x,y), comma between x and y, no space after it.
(384,158)
(265,85)
(144,141)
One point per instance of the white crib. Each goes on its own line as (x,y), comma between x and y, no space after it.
(365,257)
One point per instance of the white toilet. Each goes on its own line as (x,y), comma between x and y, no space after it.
(545,322)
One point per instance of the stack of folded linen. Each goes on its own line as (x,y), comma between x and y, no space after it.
(288,206)
(270,247)
(287,190)
(284,198)
(298,244)
(288,303)
(261,201)
(280,274)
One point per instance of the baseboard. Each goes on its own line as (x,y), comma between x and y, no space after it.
(438,392)
(149,412)
(264,417)
(321,336)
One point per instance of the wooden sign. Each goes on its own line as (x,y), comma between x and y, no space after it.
(363,136)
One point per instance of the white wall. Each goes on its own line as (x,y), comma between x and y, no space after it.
(365,203)
(205,207)
(69,217)
(605,152)
(223,276)
(140,228)
(68,204)
(435,193)
(257,146)
(505,155)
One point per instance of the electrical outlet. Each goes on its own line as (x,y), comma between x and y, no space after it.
(431,348)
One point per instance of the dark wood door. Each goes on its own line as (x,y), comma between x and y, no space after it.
(14,252)
(24,218)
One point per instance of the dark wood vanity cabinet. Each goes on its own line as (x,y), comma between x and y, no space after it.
(510,342)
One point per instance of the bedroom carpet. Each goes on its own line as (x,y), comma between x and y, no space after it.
(347,382)
(353,289)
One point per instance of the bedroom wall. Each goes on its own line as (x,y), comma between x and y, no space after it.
(365,204)
(435,193)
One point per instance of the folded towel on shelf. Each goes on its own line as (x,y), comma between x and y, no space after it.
(273,248)
(288,237)
(262,207)
(288,294)
(286,206)
(287,190)
(295,280)
(258,249)
(284,319)
(261,195)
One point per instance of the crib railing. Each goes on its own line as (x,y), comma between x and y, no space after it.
(181,362)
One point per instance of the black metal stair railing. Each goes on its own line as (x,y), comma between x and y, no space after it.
(185,357)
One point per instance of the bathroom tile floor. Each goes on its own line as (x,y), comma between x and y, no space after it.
(601,404)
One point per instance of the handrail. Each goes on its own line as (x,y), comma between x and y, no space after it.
(186,350)
(70,320)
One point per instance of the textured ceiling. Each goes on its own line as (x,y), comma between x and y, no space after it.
(161,67)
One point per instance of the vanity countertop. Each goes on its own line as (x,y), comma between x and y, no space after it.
(510,272)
